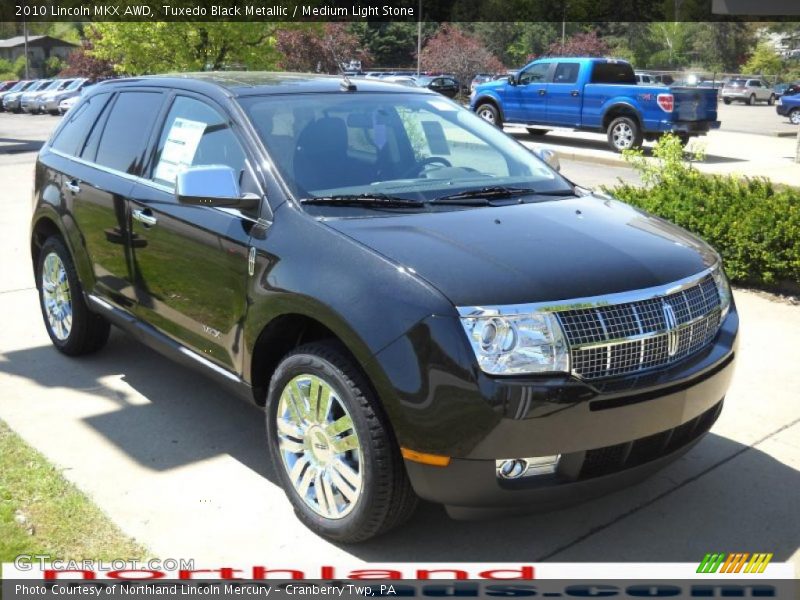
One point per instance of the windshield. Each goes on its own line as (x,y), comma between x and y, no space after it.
(75,84)
(19,85)
(42,85)
(414,146)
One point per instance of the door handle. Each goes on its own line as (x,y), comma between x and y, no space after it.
(542,92)
(144,216)
(73,186)
(574,93)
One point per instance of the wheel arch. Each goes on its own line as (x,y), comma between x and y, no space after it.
(487,99)
(621,109)
(43,228)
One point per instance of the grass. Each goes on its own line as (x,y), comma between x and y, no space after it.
(43,513)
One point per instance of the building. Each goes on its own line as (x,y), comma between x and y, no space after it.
(40,48)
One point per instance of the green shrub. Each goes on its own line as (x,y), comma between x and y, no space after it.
(752,224)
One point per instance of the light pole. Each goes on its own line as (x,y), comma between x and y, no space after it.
(25,33)
(419,35)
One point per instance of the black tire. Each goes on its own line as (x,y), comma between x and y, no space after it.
(726,100)
(751,100)
(536,131)
(771,100)
(624,133)
(489,112)
(386,498)
(88,331)
(683,139)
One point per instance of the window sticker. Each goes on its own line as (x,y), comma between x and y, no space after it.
(179,149)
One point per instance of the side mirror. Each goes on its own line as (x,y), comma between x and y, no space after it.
(212,185)
(512,79)
(548,156)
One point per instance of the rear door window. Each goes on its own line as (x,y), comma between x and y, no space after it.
(69,139)
(127,129)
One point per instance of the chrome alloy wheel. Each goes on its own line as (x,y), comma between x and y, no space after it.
(486,114)
(622,134)
(56,296)
(319,446)
(794,116)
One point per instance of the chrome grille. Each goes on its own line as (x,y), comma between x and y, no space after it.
(619,339)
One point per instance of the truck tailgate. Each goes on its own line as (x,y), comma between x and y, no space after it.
(694,104)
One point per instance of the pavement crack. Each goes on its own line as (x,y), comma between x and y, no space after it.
(25,289)
(664,494)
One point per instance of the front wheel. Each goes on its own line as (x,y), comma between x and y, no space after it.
(794,116)
(771,100)
(72,327)
(332,448)
(489,112)
(726,100)
(624,133)
(752,99)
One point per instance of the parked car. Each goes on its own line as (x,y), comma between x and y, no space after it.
(15,90)
(67,104)
(595,94)
(786,89)
(370,278)
(748,91)
(478,79)
(401,79)
(789,106)
(645,78)
(442,84)
(49,101)
(12,102)
(664,79)
(29,101)
(7,85)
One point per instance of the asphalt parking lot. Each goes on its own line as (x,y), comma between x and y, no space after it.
(181,466)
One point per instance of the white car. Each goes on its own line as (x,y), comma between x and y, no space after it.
(748,91)
(67,103)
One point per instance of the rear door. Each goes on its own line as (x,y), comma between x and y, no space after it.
(564,98)
(190,262)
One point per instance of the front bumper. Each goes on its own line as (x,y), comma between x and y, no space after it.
(11,104)
(608,433)
(782,109)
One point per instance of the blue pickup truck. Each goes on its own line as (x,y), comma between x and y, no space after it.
(595,94)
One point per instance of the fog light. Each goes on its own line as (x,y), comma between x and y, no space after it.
(514,468)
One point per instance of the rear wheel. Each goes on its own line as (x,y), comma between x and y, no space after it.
(536,131)
(794,116)
(752,99)
(624,133)
(726,100)
(489,112)
(72,327)
(333,450)
(771,99)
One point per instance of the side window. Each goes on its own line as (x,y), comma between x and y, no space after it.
(127,129)
(535,74)
(754,83)
(568,73)
(70,139)
(195,134)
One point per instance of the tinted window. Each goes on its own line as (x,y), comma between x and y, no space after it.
(755,83)
(126,130)
(195,134)
(534,74)
(79,122)
(609,72)
(566,73)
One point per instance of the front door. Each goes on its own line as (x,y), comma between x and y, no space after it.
(190,262)
(528,99)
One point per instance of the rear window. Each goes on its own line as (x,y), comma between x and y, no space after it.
(609,72)
(69,139)
(736,83)
(127,129)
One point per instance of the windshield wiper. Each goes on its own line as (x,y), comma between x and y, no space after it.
(500,192)
(364,200)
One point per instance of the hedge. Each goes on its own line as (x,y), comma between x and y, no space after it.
(751,223)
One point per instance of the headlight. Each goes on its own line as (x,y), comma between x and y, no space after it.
(512,344)
(724,290)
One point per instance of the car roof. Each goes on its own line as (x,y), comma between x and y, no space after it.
(253,83)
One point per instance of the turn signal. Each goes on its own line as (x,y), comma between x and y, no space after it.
(437,460)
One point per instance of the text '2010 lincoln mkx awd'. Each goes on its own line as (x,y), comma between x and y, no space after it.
(425,308)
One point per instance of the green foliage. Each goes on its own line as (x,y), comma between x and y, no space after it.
(141,48)
(52,66)
(19,67)
(764,61)
(6,70)
(753,225)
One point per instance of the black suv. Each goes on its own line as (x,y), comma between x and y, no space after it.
(424,307)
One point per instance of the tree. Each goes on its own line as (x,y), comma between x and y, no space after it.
(452,50)
(580,44)
(52,66)
(81,63)
(140,48)
(390,44)
(318,47)
(763,61)
(723,46)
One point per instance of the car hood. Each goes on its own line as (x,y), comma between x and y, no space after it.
(553,250)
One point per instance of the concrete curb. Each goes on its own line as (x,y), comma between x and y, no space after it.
(784,134)
(612,161)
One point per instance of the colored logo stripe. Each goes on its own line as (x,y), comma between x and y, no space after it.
(734,563)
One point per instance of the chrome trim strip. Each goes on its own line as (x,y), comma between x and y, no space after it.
(591,301)
(99,302)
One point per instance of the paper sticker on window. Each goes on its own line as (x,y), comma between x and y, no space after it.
(179,149)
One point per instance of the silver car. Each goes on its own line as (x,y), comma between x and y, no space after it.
(49,101)
(749,91)
(27,101)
